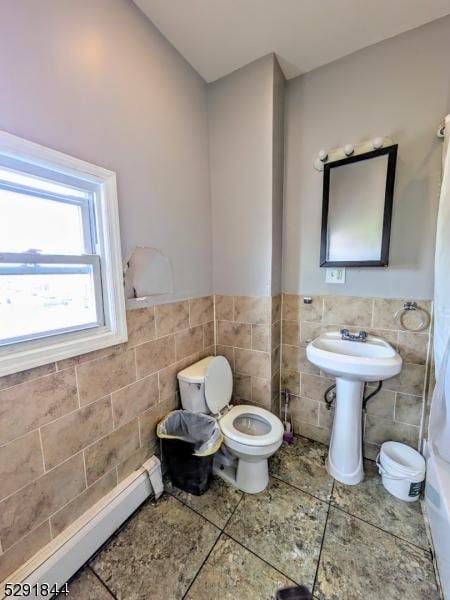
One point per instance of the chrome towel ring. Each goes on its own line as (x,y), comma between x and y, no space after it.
(408,306)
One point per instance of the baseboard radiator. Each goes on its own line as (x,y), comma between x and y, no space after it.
(57,562)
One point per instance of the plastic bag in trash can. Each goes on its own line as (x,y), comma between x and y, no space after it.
(201,430)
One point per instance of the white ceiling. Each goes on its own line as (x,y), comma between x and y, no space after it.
(219,36)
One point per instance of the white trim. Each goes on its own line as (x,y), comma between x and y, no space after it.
(32,354)
(26,151)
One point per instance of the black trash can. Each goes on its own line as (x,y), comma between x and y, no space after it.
(188,472)
(189,442)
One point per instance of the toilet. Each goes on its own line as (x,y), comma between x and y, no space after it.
(251,434)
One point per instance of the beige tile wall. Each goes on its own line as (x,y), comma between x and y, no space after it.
(429,385)
(248,334)
(396,412)
(70,431)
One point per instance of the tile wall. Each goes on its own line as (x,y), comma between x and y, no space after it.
(429,385)
(396,412)
(70,431)
(248,334)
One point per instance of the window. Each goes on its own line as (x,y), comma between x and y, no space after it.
(61,290)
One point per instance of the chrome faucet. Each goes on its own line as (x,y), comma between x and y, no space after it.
(360,337)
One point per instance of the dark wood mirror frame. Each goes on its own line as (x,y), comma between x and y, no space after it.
(391,151)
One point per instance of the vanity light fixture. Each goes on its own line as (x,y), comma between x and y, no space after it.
(441,132)
(348,149)
(328,156)
(320,160)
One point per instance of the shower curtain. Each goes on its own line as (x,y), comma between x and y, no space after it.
(439,424)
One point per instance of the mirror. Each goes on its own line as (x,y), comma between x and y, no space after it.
(357,209)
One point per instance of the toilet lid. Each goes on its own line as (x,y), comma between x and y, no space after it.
(266,428)
(218,384)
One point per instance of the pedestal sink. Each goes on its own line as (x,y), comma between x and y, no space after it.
(352,363)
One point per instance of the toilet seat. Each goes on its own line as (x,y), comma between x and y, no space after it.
(229,430)
(218,384)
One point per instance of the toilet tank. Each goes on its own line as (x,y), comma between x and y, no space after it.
(192,386)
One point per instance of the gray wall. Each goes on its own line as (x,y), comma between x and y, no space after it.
(277,177)
(240,144)
(241,119)
(399,88)
(96,80)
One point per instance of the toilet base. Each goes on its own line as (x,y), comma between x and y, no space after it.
(252,477)
(249,477)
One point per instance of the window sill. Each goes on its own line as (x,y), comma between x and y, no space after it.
(36,353)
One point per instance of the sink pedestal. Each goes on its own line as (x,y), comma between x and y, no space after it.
(345,461)
(352,363)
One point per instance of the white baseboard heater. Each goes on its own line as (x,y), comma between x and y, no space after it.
(59,560)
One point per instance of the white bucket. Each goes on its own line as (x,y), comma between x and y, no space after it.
(402,470)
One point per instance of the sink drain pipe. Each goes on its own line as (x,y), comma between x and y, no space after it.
(330,395)
(372,394)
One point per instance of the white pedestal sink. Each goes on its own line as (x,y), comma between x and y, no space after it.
(352,363)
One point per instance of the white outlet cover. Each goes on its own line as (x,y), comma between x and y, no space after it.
(336,275)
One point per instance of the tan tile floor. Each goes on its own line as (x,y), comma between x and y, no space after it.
(344,543)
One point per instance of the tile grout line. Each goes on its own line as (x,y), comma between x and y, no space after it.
(85,470)
(333,505)
(345,512)
(200,514)
(117,531)
(233,512)
(40,523)
(323,539)
(77,386)
(89,403)
(32,379)
(172,495)
(241,544)
(97,576)
(222,532)
(266,562)
(299,489)
(40,476)
(135,365)
(113,420)
(202,565)
(50,516)
(42,450)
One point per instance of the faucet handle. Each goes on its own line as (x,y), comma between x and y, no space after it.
(344,332)
(363,335)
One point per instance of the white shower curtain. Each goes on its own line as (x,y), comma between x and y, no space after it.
(439,424)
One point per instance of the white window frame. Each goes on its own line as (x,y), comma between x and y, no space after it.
(112,329)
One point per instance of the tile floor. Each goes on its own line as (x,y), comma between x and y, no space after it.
(342,542)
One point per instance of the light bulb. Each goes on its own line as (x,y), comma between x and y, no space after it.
(377,143)
(348,150)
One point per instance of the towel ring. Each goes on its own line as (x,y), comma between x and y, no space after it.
(408,306)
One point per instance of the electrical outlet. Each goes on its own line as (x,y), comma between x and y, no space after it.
(335,275)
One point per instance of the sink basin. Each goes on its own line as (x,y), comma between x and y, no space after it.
(373,360)
(352,363)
